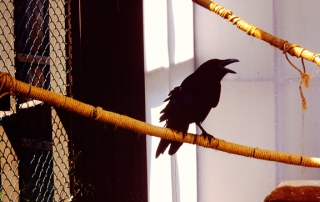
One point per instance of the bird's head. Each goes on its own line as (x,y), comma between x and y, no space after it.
(216,68)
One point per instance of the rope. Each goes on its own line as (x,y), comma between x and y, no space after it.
(15,87)
(304,77)
(292,49)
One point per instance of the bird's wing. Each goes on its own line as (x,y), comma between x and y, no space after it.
(179,101)
(175,117)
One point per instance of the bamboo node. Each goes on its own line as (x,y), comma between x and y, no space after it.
(234,19)
(314,57)
(220,10)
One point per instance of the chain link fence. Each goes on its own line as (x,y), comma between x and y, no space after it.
(34,137)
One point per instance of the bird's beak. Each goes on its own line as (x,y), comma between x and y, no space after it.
(227,62)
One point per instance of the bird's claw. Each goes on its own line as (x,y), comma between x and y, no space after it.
(207,135)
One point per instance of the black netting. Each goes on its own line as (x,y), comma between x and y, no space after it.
(34,137)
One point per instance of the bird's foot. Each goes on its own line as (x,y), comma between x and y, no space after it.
(207,136)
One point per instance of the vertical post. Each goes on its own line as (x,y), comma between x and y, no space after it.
(58,84)
(9,169)
(7,37)
(60,152)
(7,55)
(57,47)
(8,158)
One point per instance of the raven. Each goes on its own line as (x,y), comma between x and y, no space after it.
(192,101)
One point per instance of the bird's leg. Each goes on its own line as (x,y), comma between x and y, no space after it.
(204,132)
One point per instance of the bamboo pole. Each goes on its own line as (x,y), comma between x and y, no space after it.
(10,85)
(285,46)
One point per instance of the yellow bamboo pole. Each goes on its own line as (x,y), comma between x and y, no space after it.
(10,85)
(285,46)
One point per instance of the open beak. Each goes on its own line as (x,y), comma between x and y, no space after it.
(226,62)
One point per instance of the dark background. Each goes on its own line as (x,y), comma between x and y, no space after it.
(108,71)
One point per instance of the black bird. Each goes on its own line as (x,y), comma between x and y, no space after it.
(192,101)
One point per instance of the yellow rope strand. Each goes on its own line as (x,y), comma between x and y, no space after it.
(304,77)
(14,87)
(292,49)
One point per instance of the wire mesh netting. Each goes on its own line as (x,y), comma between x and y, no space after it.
(34,137)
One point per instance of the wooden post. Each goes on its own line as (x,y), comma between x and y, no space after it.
(58,83)
(8,158)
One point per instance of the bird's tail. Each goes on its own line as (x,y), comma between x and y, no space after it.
(164,144)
